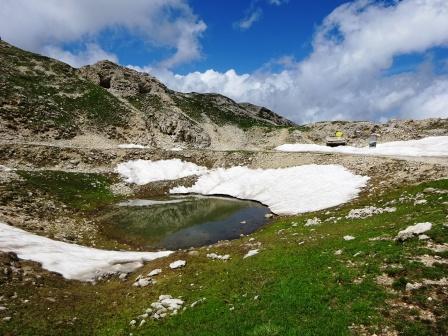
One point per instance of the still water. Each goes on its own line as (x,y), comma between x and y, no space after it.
(182,221)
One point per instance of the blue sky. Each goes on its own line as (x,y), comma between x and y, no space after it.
(307,60)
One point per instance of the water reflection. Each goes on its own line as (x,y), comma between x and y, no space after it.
(181,222)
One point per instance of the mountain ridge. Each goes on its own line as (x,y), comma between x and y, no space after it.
(42,98)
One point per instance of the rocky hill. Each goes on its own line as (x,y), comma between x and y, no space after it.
(102,105)
(44,99)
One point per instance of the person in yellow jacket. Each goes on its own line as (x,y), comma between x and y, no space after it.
(339,134)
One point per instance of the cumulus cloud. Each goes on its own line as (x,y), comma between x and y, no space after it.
(345,75)
(45,26)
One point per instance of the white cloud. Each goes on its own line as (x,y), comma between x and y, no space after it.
(250,19)
(344,76)
(91,54)
(46,25)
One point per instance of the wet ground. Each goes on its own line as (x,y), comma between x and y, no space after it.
(181,221)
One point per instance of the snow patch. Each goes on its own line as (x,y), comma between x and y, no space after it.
(144,171)
(131,145)
(5,169)
(72,261)
(286,191)
(430,146)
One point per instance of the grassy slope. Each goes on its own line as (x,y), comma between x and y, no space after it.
(304,289)
(48,95)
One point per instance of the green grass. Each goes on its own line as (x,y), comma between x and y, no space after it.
(197,105)
(303,288)
(80,191)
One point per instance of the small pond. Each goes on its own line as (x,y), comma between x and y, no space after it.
(181,221)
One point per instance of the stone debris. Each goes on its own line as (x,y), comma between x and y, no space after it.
(251,253)
(423,237)
(413,230)
(165,306)
(338,252)
(143,282)
(434,191)
(368,212)
(348,237)
(197,302)
(384,280)
(313,221)
(219,257)
(438,248)
(421,201)
(178,264)
(155,272)
(429,260)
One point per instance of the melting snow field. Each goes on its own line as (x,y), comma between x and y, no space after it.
(431,146)
(70,260)
(286,191)
(130,146)
(144,171)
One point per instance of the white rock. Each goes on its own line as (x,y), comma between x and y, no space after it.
(217,256)
(155,272)
(422,201)
(412,230)
(132,323)
(413,286)
(251,253)
(143,282)
(177,264)
(368,212)
(348,237)
(338,252)
(312,221)
(423,237)
(164,297)
(142,322)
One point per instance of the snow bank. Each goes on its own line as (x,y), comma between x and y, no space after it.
(131,146)
(70,260)
(286,191)
(431,146)
(145,171)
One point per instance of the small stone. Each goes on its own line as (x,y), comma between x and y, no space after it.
(423,237)
(142,322)
(338,252)
(132,323)
(177,264)
(423,201)
(155,272)
(193,253)
(413,286)
(251,253)
(7,318)
(348,237)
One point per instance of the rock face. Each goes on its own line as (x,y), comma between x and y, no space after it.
(44,99)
